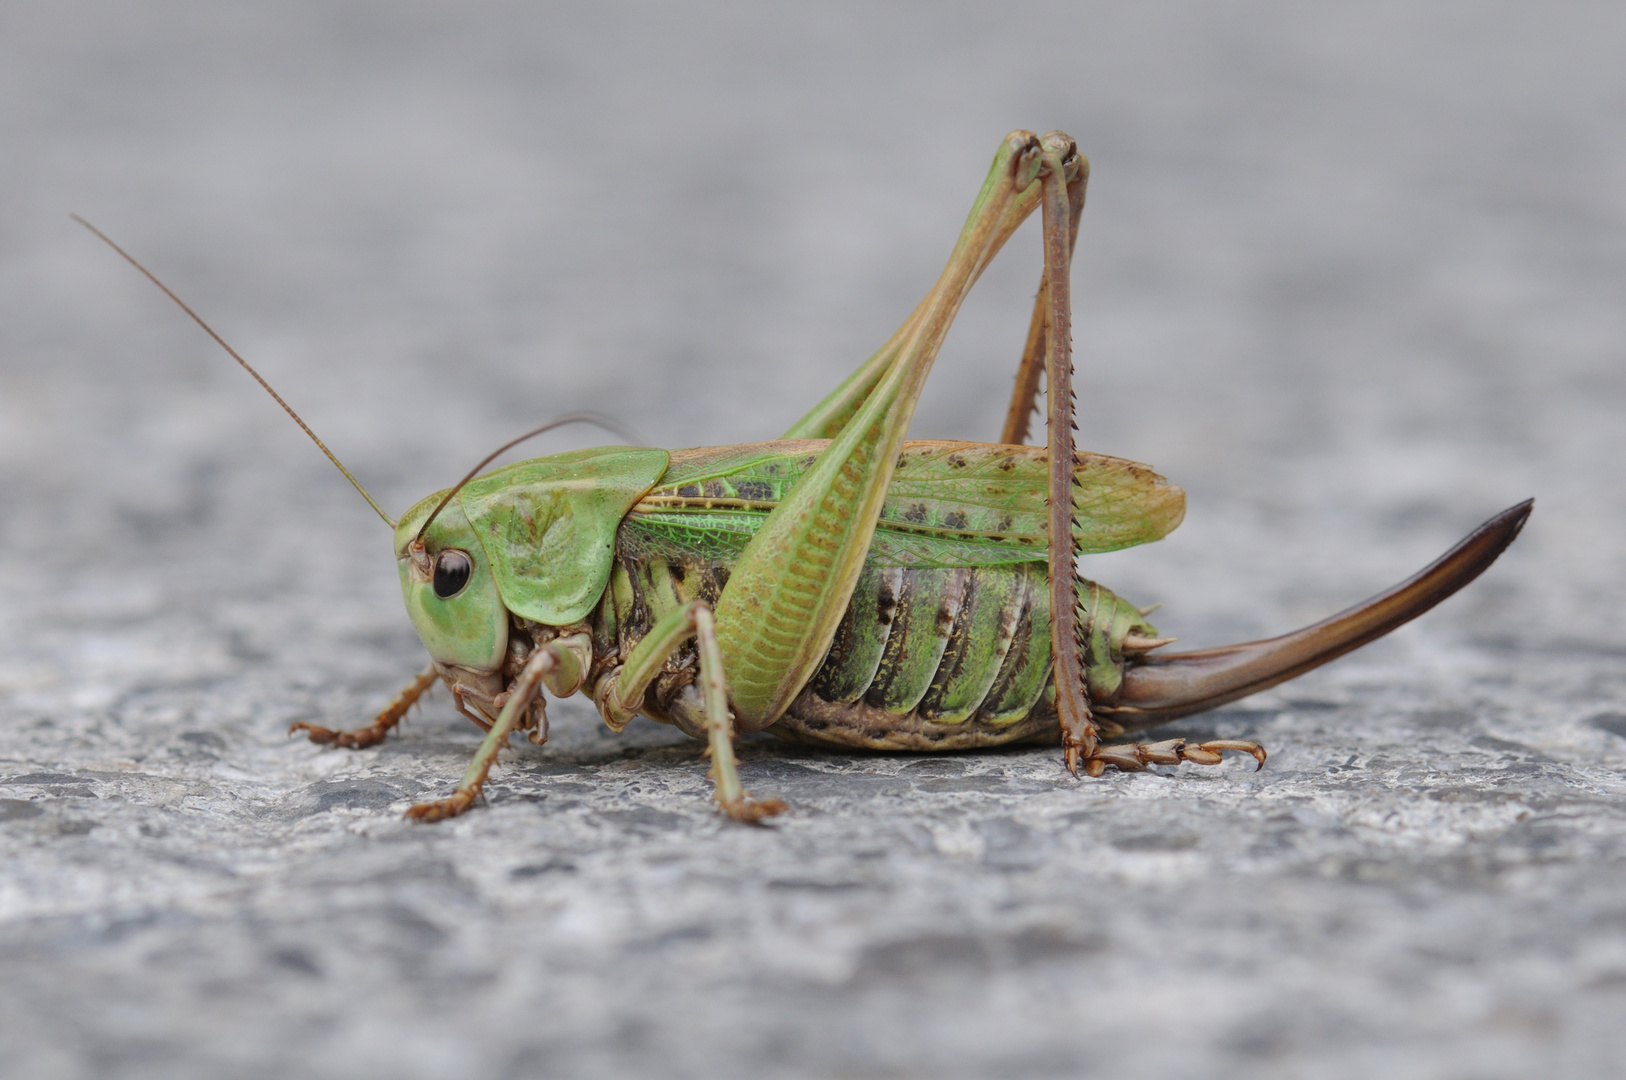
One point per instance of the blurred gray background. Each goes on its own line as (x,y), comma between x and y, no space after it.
(1352,274)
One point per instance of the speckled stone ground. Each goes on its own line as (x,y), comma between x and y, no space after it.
(1353,275)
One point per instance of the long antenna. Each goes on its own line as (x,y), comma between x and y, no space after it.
(605,422)
(233,352)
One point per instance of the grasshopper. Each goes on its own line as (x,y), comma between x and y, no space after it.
(844,586)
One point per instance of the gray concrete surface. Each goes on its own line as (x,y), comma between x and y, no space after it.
(1352,274)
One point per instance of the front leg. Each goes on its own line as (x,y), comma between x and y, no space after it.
(373,733)
(620,694)
(562,665)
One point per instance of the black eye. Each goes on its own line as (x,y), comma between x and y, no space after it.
(452,570)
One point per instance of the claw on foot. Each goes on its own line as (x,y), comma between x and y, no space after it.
(441,809)
(1080,752)
(751,810)
(1247,746)
(359,739)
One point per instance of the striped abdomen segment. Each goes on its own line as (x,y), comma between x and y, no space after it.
(942,644)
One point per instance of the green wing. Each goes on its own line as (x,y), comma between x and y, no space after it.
(950,503)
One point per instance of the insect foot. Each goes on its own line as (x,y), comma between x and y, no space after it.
(441,809)
(751,810)
(356,739)
(1133,757)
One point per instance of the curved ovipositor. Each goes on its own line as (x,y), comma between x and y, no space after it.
(1162,688)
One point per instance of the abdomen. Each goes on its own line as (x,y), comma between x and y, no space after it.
(925,658)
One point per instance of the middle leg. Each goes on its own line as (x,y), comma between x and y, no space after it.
(620,694)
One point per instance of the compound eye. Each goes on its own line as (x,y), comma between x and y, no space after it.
(452,571)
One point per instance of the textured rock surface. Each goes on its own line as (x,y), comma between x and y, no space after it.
(1352,275)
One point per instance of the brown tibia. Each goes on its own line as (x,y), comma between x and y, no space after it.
(1078,731)
(1019,415)
(373,733)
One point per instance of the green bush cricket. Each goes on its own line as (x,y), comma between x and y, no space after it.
(844,586)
